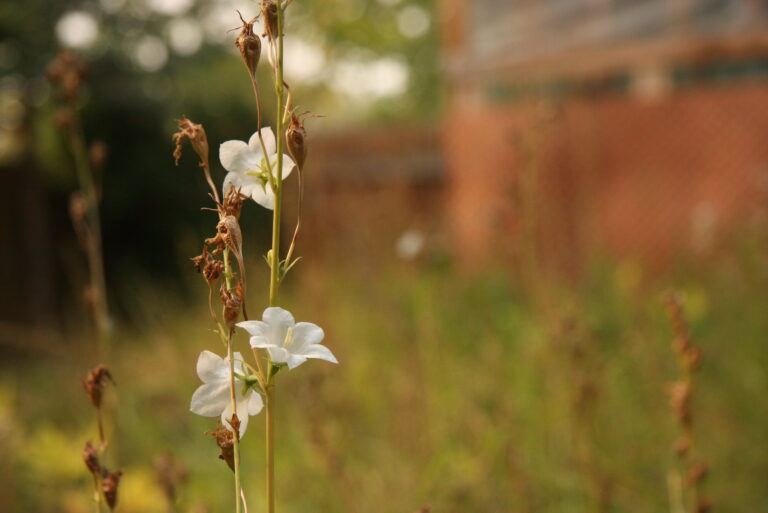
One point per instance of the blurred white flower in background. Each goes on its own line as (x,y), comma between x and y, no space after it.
(77,29)
(409,245)
(185,36)
(286,340)
(150,53)
(170,7)
(369,80)
(213,397)
(248,167)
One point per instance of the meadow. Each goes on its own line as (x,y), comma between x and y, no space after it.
(454,392)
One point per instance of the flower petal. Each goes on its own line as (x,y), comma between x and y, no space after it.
(269,141)
(234,156)
(294,360)
(288,165)
(210,400)
(242,416)
(278,354)
(320,352)
(304,335)
(262,195)
(278,321)
(255,403)
(211,367)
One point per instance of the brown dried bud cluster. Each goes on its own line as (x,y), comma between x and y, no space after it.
(91,459)
(697,473)
(210,267)
(225,440)
(233,203)
(229,229)
(109,485)
(66,73)
(690,357)
(249,45)
(94,384)
(295,138)
(269,16)
(233,303)
(197,137)
(681,394)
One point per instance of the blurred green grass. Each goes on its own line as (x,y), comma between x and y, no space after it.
(455,391)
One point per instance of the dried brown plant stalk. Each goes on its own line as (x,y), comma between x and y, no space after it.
(692,469)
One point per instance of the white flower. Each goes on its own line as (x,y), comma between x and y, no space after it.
(286,340)
(213,397)
(248,169)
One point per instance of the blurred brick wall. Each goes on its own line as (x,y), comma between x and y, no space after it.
(365,187)
(631,176)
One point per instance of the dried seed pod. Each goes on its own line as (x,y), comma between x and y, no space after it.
(269,18)
(233,303)
(249,45)
(91,459)
(295,139)
(233,203)
(98,153)
(213,270)
(94,384)
(229,229)
(109,485)
(225,440)
(196,135)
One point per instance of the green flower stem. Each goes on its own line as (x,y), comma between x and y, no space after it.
(274,277)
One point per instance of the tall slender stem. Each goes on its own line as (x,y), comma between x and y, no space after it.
(232,392)
(274,278)
(235,434)
(94,244)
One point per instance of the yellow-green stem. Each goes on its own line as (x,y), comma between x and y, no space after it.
(274,278)
(235,437)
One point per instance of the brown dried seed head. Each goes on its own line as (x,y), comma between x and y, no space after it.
(94,384)
(64,119)
(196,135)
(229,229)
(66,73)
(249,45)
(269,17)
(213,270)
(682,446)
(200,261)
(692,358)
(295,138)
(704,505)
(109,485)
(225,440)
(233,203)
(233,303)
(91,459)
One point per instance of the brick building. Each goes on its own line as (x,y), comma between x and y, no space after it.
(583,127)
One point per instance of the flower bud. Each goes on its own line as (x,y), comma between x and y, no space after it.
(249,45)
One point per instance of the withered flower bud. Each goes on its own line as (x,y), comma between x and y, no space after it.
(196,135)
(692,358)
(225,440)
(200,261)
(91,459)
(94,384)
(233,203)
(704,505)
(295,138)
(269,15)
(249,45)
(229,229)
(98,153)
(66,73)
(233,303)
(109,485)
(212,271)
(682,446)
